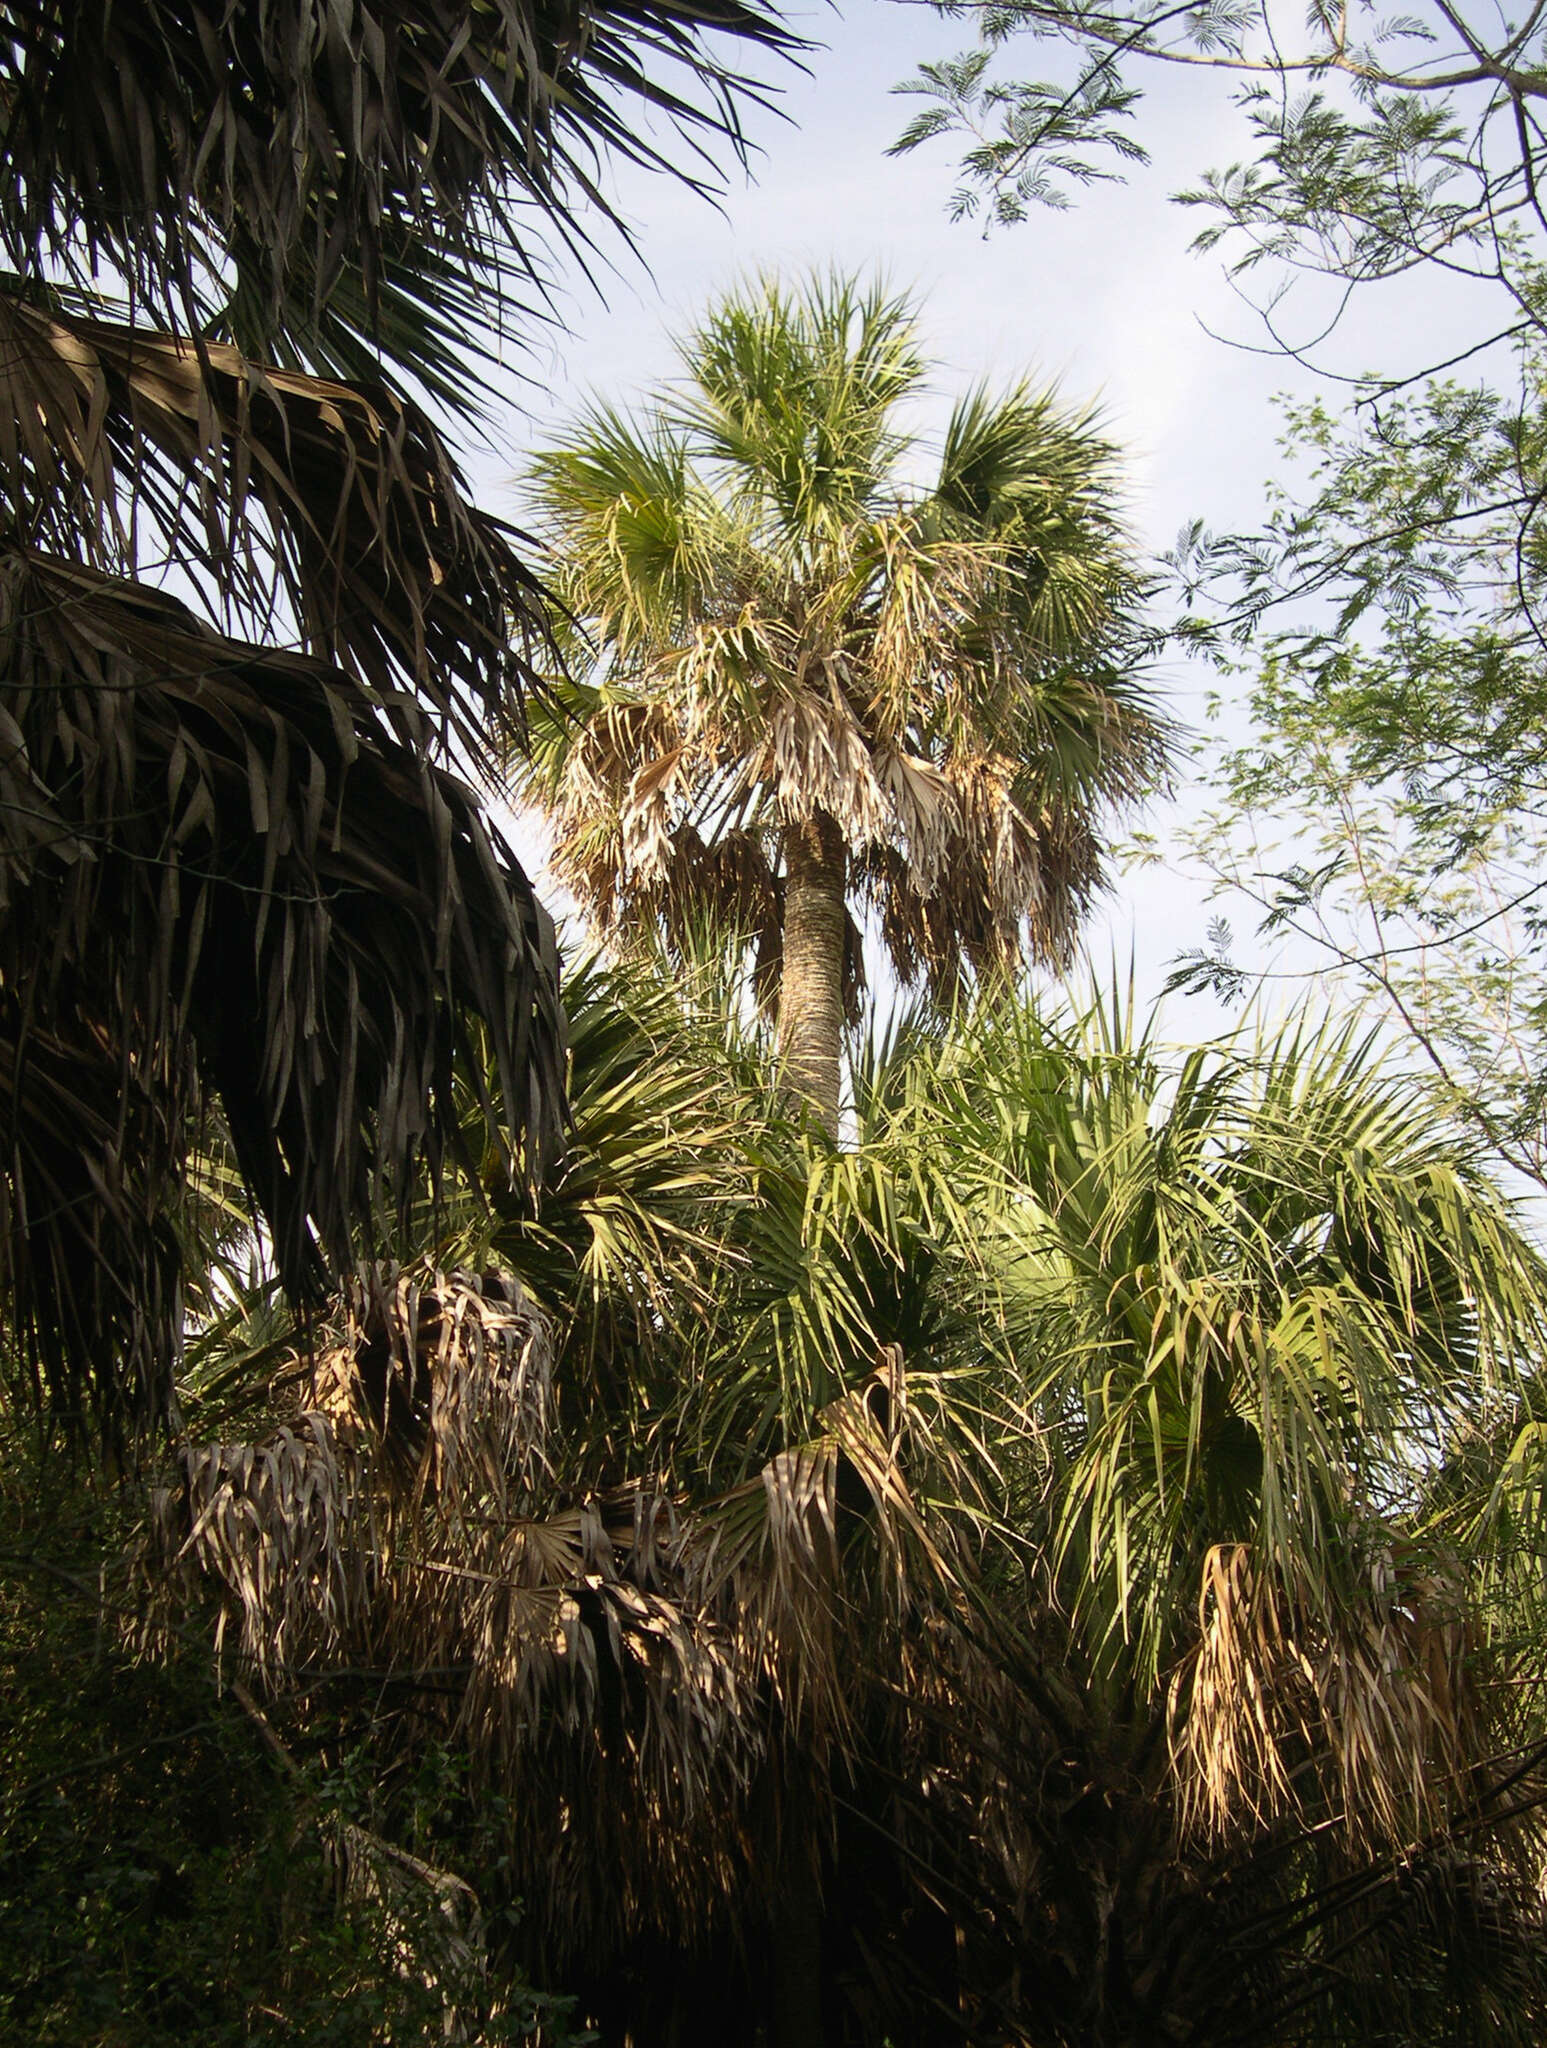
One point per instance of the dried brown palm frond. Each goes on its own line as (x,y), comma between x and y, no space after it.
(655,1685)
(431,1407)
(219,877)
(1370,1714)
(288,497)
(1046,864)
(692,1702)
(198,147)
(220,873)
(770,1554)
(401,1523)
(456,1380)
(963,861)
(427,1921)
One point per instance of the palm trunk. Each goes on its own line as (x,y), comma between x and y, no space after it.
(811,986)
(797,2016)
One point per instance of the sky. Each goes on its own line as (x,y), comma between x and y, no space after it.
(1106,298)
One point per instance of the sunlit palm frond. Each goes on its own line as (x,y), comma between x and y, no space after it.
(1250,1287)
(790,399)
(1031,1513)
(655,1668)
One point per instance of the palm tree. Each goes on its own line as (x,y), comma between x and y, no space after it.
(238,240)
(1021,1522)
(819,685)
(1254,1295)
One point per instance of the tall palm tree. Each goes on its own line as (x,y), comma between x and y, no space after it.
(234,861)
(819,684)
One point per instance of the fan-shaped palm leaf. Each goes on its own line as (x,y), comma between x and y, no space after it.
(1262,1285)
(228,870)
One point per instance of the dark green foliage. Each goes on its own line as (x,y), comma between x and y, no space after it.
(165,1874)
(238,165)
(196,781)
(233,873)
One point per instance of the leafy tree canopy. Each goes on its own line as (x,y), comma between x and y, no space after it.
(1388,807)
(1382,143)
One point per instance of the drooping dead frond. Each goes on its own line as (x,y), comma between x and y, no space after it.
(405,1520)
(640,1676)
(337,505)
(427,1922)
(431,1408)
(456,1379)
(689,1702)
(218,871)
(770,1557)
(1369,1713)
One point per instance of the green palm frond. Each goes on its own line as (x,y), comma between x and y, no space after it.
(1253,1290)
(790,396)
(640,545)
(1023,453)
(420,134)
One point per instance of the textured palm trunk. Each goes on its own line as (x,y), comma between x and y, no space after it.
(811,988)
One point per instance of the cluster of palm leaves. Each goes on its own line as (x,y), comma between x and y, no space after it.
(250,622)
(1039,1574)
(1061,1565)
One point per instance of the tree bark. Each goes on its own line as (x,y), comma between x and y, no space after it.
(811,986)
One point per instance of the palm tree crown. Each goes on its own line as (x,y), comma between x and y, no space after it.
(233,242)
(822,684)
